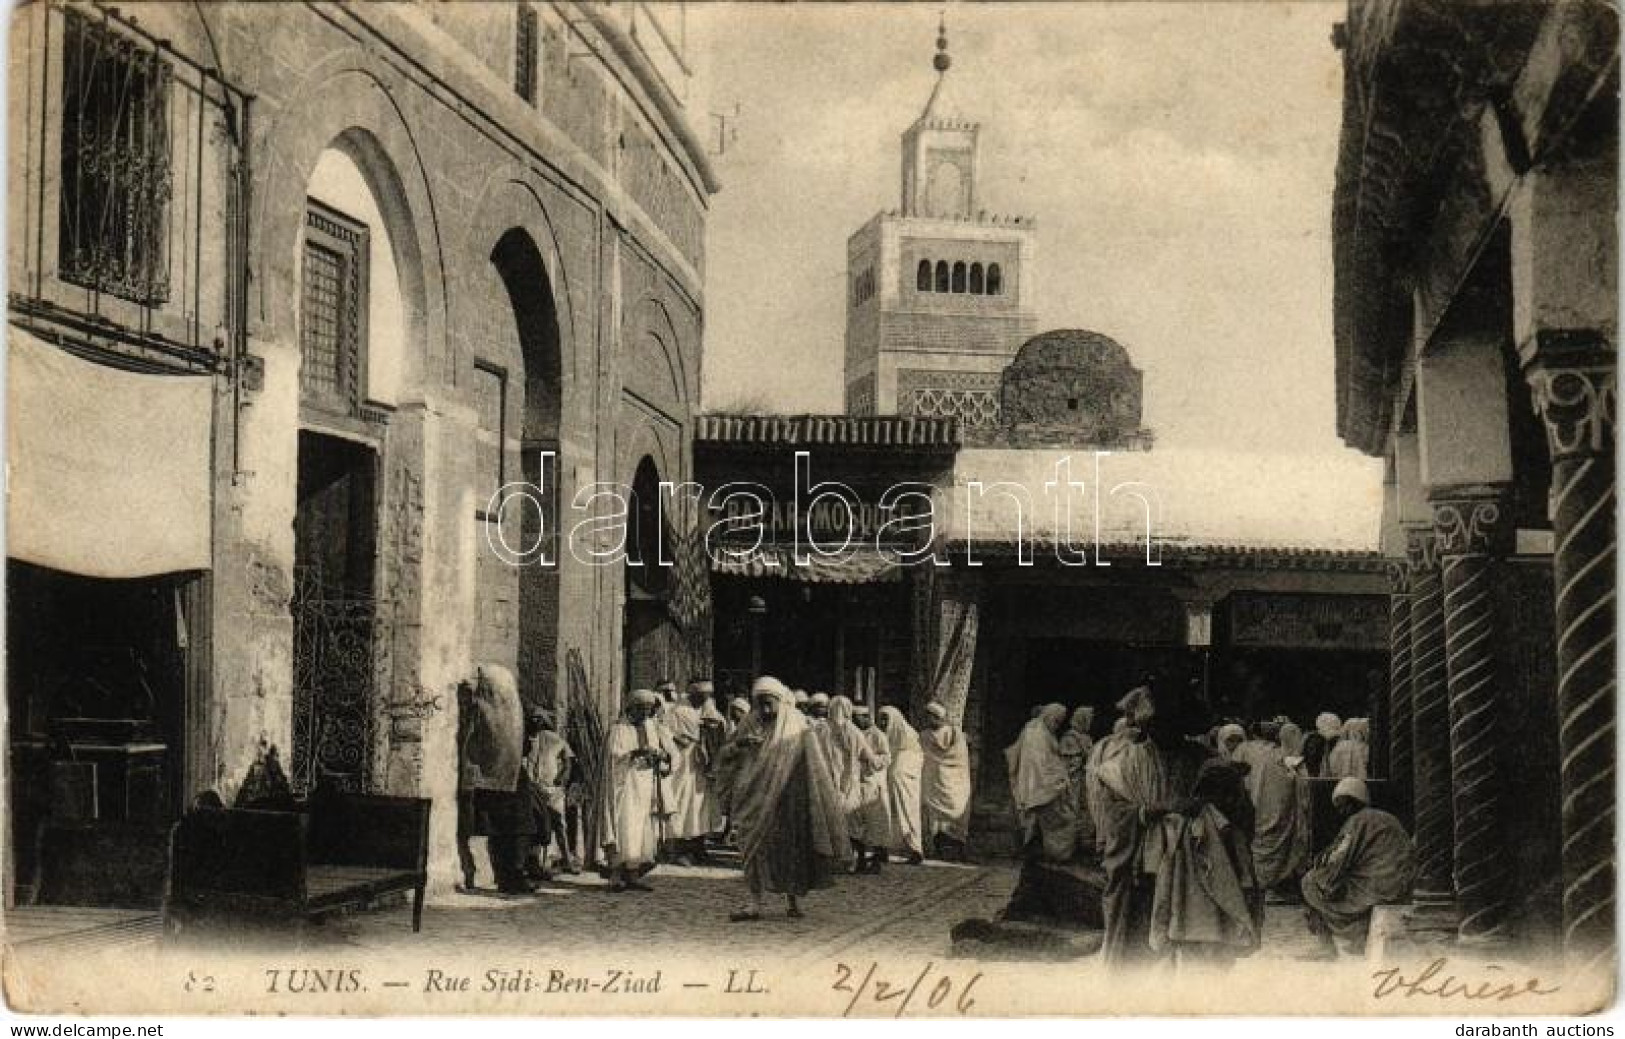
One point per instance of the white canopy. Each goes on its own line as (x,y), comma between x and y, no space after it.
(107,471)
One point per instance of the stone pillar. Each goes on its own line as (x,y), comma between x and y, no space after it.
(1472,528)
(1572,380)
(1398,721)
(1434,893)
(1565,263)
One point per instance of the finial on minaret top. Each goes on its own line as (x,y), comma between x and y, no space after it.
(941,61)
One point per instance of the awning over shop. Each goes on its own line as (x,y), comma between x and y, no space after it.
(107,471)
(861,566)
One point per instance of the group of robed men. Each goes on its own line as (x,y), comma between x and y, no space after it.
(1192,825)
(807,786)
(804,785)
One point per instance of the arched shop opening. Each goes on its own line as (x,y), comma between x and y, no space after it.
(519,264)
(649,638)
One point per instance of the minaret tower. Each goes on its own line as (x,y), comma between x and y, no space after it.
(939,295)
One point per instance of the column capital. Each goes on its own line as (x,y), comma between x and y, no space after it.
(1471,522)
(1571,377)
(1399,577)
(1421,550)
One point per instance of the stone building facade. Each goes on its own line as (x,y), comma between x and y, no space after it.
(1475,318)
(940,291)
(431,250)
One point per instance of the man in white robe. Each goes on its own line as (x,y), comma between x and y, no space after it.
(1039,787)
(689,821)
(871,814)
(632,811)
(714,732)
(945,785)
(792,830)
(903,785)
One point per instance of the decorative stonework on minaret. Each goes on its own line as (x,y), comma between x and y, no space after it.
(940,295)
(939,150)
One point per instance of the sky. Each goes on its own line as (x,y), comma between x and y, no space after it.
(1178,158)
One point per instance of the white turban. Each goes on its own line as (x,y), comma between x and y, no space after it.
(1352,787)
(768,685)
(644,698)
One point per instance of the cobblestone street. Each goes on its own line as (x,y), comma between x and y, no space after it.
(907,910)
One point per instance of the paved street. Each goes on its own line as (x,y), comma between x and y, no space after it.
(906,910)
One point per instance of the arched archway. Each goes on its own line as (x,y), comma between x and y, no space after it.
(355,322)
(648,637)
(518,264)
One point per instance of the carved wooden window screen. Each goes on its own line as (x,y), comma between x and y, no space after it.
(333,309)
(115,176)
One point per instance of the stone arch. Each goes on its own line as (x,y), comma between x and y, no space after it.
(343,104)
(510,202)
(536,385)
(655,368)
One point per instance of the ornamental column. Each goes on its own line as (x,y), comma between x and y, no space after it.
(1434,893)
(1572,380)
(1566,295)
(1398,722)
(1473,529)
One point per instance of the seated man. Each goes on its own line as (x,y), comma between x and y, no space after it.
(1372,862)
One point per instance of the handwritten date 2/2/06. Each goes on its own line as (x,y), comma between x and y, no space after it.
(929,989)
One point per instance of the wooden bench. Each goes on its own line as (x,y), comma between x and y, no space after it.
(344,851)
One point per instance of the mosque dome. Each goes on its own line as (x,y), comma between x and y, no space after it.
(1071,385)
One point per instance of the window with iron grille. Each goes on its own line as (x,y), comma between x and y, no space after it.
(524,62)
(114,226)
(333,309)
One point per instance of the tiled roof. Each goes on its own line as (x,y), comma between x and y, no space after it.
(1179,552)
(889,431)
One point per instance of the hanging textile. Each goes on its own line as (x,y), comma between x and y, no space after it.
(690,603)
(958,625)
(107,470)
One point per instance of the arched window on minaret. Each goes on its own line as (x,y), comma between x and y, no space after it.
(959,276)
(922,280)
(995,280)
(976,279)
(942,275)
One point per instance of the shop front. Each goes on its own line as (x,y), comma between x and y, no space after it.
(812,525)
(107,618)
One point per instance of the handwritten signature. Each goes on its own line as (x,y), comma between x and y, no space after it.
(1499,988)
(883,991)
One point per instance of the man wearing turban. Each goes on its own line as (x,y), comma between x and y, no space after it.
(791,823)
(633,810)
(1371,862)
